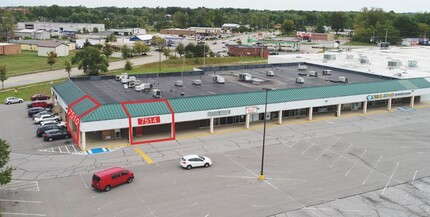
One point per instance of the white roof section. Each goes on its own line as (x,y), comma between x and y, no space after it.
(377,60)
(145,37)
(230,25)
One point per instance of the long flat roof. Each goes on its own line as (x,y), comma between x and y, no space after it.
(108,90)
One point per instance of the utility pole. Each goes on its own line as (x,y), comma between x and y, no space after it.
(204,54)
(386,35)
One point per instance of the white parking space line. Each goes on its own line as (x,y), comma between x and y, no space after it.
(382,193)
(355,162)
(412,182)
(337,139)
(67,149)
(20,201)
(331,165)
(308,148)
(21,185)
(21,214)
(86,186)
(371,170)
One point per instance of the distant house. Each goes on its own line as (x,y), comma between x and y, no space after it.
(60,48)
(241,50)
(9,49)
(30,45)
(128,32)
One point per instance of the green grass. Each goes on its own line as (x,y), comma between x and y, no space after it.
(28,62)
(176,65)
(357,43)
(25,92)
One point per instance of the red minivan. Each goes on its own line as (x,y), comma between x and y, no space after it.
(106,179)
(43,104)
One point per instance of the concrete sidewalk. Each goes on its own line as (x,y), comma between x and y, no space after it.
(61,73)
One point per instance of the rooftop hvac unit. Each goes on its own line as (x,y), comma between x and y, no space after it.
(349,57)
(219,79)
(143,87)
(246,77)
(412,63)
(302,67)
(197,82)
(313,74)
(394,64)
(128,79)
(270,73)
(156,93)
(300,80)
(343,79)
(179,83)
(326,72)
(329,56)
(120,77)
(133,83)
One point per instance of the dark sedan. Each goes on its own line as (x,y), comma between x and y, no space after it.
(39,97)
(42,129)
(35,110)
(51,135)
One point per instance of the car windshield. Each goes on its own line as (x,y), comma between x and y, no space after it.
(203,158)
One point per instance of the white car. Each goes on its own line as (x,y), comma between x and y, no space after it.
(43,123)
(190,161)
(46,117)
(12,99)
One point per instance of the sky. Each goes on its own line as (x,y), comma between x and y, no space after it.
(399,6)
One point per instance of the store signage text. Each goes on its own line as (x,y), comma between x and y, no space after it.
(73,117)
(148,120)
(387,95)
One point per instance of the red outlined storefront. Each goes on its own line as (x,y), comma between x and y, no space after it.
(138,124)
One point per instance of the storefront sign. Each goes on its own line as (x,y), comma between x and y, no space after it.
(148,120)
(251,110)
(219,113)
(387,95)
(73,117)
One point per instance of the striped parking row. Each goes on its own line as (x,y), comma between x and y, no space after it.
(21,185)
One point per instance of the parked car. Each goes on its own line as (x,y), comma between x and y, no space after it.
(106,179)
(43,123)
(36,110)
(54,134)
(46,117)
(44,104)
(39,97)
(190,161)
(42,129)
(45,112)
(12,99)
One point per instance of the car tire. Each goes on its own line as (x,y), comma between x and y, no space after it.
(130,180)
(20,101)
(107,188)
(8,103)
(207,165)
(50,139)
(189,167)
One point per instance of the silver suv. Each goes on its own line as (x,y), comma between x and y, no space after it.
(12,99)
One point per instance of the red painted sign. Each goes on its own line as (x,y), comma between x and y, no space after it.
(73,116)
(148,120)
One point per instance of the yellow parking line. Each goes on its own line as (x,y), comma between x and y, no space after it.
(145,157)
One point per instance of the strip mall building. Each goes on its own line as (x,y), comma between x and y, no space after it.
(101,108)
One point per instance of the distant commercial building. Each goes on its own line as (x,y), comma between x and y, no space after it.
(128,32)
(206,31)
(144,38)
(179,32)
(61,27)
(315,36)
(9,49)
(60,48)
(33,45)
(242,50)
(33,34)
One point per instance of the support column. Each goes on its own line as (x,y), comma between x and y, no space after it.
(339,107)
(247,120)
(311,112)
(389,104)
(211,125)
(412,101)
(364,107)
(84,141)
(280,117)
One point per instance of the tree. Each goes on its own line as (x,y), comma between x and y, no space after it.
(6,171)
(52,58)
(95,30)
(190,48)
(338,21)
(68,67)
(107,49)
(7,26)
(288,26)
(86,43)
(3,75)
(126,52)
(181,19)
(159,43)
(139,48)
(166,52)
(111,38)
(180,49)
(91,60)
(424,29)
(128,66)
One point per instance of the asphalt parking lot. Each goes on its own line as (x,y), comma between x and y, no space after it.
(18,129)
(358,166)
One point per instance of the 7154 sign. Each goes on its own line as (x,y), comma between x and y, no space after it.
(148,120)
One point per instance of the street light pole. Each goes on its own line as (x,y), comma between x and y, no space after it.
(261,177)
